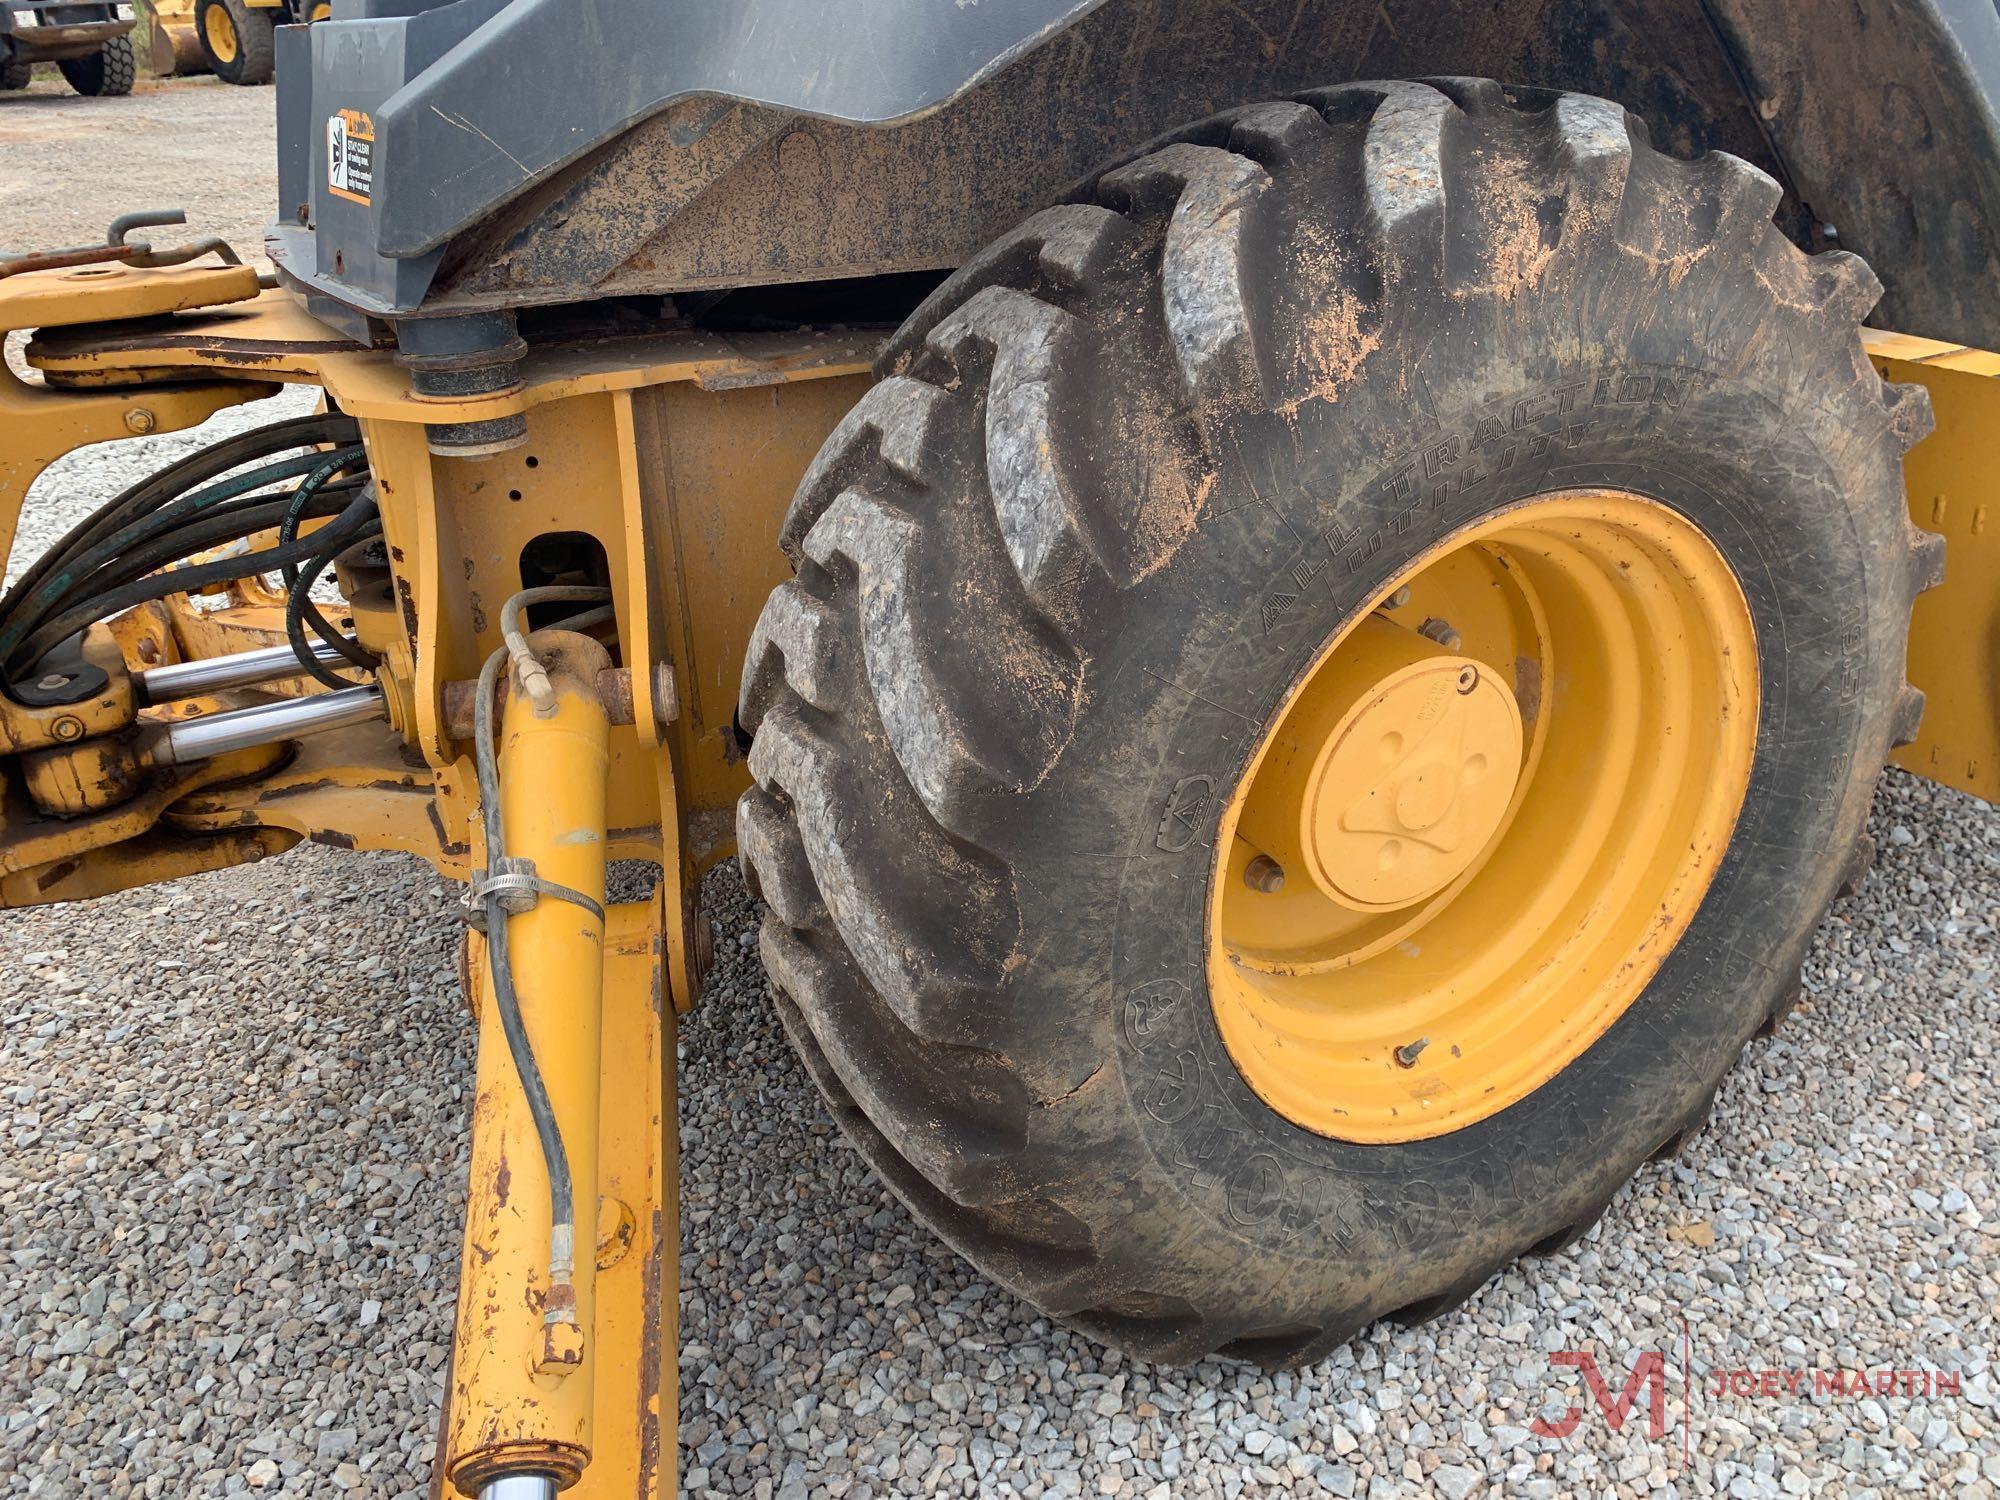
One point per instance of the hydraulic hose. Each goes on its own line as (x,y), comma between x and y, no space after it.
(548,1130)
(177,479)
(343,529)
(300,610)
(204,501)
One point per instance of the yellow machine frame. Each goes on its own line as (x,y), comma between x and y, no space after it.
(676,453)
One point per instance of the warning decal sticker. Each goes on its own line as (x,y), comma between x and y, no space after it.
(350,155)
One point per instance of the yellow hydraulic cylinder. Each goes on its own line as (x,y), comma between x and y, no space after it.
(522,1371)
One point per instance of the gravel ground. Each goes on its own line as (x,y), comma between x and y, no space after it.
(229,1211)
(69,165)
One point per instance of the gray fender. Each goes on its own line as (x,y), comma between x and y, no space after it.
(577,73)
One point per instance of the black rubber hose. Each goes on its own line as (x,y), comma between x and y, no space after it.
(555,1155)
(63,571)
(191,537)
(184,580)
(302,496)
(299,609)
(179,477)
(236,490)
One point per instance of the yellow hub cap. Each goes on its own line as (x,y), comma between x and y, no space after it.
(1478,825)
(220,32)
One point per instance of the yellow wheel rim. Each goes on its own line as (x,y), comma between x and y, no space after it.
(220,32)
(1477,826)
(319,12)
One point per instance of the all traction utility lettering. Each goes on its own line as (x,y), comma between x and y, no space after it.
(1746,1382)
(1457,464)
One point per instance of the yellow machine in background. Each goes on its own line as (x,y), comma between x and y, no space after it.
(233,39)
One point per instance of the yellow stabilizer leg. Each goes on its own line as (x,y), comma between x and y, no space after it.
(636,1349)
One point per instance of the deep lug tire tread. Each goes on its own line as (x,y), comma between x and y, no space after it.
(108,73)
(886,753)
(256,42)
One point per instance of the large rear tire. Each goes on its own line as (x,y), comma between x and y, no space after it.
(1130,476)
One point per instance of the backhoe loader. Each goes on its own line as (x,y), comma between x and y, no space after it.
(90,45)
(1294,640)
(236,40)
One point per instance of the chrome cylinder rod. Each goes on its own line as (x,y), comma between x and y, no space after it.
(215,674)
(266,724)
(519,1487)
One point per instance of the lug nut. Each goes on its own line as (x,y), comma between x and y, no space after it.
(1264,874)
(1398,599)
(1434,629)
(1408,1053)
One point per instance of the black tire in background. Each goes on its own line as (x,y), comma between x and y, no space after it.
(107,73)
(256,41)
(15,74)
(1125,474)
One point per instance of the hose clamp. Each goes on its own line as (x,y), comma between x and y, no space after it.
(513,884)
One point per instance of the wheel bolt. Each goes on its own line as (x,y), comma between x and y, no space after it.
(1398,599)
(1407,1054)
(1264,874)
(1440,631)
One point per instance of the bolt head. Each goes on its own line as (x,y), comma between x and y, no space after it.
(1440,631)
(53,681)
(68,730)
(140,419)
(1264,875)
(666,694)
